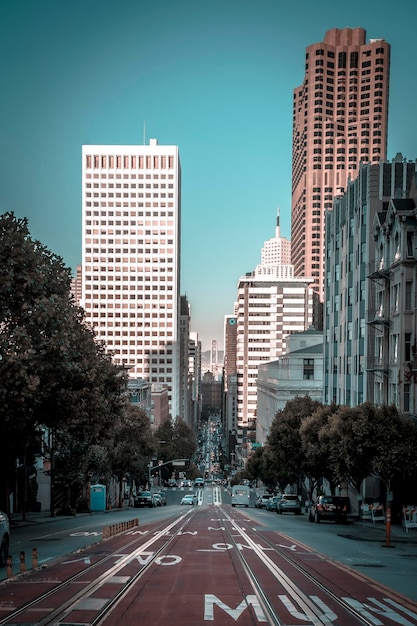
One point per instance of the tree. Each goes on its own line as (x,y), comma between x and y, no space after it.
(284,446)
(351,437)
(174,440)
(131,447)
(395,449)
(52,372)
(315,447)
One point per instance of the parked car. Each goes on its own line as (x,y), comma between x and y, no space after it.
(4,538)
(333,508)
(262,501)
(145,498)
(163,497)
(272,503)
(289,503)
(157,499)
(189,499)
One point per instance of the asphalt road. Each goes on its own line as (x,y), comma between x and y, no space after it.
(360,546)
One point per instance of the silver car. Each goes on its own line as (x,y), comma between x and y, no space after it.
(289,503)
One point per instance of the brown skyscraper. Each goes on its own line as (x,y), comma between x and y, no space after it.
(340,118)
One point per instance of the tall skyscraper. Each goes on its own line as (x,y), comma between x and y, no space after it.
(272,304)
(131,199)
(340,115)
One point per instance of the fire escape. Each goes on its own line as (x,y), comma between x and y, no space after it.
(379,320)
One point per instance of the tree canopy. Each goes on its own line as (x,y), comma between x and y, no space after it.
(52,371)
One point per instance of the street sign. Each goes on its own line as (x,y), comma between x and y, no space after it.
(178,463)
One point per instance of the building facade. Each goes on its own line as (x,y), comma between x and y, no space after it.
(391,318)
(340,114)
(358,271)
(131,216)
(270,307)
(298,372)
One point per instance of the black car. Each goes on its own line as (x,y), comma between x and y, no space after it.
(332,508)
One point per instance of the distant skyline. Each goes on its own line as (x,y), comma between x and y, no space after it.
(215,78)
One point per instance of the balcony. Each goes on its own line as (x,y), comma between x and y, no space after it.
(378,317)
(377,364)
(379,269)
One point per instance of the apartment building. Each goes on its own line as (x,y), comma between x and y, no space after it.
(369,316)
(391,317)
(340,114)
(131,213)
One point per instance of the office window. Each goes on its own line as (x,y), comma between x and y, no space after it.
(308,369)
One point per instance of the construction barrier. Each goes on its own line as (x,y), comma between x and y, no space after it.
(108,531)
(373,512)
(409,519)
(116,529)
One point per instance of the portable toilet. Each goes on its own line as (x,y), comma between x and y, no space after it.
(98,497)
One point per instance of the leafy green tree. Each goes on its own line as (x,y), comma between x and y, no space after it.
(52,372)
(174,440)
(395,457)
(315,448)
(254,466)
(131,447)
(284,445)
(352,439)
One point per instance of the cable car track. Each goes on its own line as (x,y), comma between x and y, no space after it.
(278,584)
(54,617)
(310,609)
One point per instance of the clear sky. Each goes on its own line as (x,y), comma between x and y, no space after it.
(214,77)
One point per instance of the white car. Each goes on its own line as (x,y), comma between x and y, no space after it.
(4,538)
(190,499)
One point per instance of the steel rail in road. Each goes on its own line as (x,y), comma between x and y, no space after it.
(223,562)
(311,610)
(55,616)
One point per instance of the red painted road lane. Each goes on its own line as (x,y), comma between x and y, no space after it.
(374,601)
(26,588)
(199,579)
(190,583)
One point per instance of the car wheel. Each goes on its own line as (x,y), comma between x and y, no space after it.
(4,551)
(316,518)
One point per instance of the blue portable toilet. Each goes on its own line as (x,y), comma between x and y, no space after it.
(98,497)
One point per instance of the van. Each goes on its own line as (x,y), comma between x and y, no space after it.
(240,495)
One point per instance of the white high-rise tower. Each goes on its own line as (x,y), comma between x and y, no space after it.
(131,199)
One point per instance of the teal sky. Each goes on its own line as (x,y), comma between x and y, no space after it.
(215,78)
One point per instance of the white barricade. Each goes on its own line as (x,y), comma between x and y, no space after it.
(409,517)
(374,512)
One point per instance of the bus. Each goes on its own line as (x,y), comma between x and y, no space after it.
(240,495)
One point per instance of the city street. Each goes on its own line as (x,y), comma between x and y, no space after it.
(200,543)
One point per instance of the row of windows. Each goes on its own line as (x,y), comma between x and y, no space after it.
(132,204)
(129,214)
(130,176)
(140,161)
(129,185)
